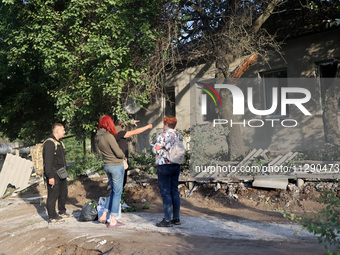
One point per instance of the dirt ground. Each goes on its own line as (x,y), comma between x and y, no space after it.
(25,229)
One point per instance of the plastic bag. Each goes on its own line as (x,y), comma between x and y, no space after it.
(89,212)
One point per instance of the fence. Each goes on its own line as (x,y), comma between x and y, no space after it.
(15,171)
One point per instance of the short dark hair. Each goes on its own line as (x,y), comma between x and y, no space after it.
(56,125)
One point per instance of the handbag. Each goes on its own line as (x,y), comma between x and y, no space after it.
(176,153)
(126,166)
(62,173)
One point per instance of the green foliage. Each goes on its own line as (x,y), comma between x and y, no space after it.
(302,17)
(75,60)
(26,109)
(133,208)
(146,206)
(151,170)
(83,163)
(74,148)
(327,227)
(145,158)
(123,196)
(259,161)
(330,152)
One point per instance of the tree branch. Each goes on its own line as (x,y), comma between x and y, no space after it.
(265,15)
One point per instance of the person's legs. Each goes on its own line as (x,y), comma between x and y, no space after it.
(125,178)
(164,184)
(52,196)
(116,177)
(108,202)
(62,196)
(176,201)
(117,188)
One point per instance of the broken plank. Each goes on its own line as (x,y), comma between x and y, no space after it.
(292,156)
(247,157)
(263,154)
(283,159)
(273,162)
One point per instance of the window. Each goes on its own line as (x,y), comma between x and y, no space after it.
(271,80)
(170,102)
(328,70)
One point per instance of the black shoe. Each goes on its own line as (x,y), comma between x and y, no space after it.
(164,223)
(57,220)
(176,221)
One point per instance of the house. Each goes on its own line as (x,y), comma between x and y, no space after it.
(305,62)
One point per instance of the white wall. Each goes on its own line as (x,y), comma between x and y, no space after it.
(299,56)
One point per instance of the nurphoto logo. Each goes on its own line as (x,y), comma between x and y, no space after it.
(239,104)
(262,114)
(204,96)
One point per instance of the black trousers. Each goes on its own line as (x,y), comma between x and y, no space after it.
(125,178)
(54,193)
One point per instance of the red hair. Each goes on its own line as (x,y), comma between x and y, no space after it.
(106,122)
(170,120)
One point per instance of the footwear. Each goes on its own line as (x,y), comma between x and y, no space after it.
(164,223)
(176,221)
(103,222)
(118,224)
(57,220)
(65,215)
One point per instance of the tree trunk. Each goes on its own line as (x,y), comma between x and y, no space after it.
(330,114)
(234,139)
(223,59)
(94,148)
(84,147)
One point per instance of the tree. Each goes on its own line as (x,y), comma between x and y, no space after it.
(93,53)
(221,31)
(26,109)
(331,102)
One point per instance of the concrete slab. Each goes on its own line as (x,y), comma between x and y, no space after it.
(270,182)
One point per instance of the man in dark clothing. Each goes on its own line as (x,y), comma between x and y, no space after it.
(54,159)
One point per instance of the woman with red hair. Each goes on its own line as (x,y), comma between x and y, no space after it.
(168,172)
(113,166)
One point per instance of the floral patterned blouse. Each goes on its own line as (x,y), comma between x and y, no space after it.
(165,140)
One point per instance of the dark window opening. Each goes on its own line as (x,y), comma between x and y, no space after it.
(328,70)
(270,80)
(170,102)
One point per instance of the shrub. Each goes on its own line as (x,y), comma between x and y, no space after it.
(330,152)
(144,158)
(74,149)
(83,163)
(327,227)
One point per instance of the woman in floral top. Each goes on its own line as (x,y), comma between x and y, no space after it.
(168,173)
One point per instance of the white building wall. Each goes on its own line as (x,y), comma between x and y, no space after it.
(300,57)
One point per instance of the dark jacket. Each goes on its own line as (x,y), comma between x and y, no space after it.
(122,142)
(53,159)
